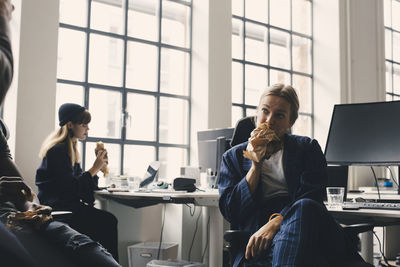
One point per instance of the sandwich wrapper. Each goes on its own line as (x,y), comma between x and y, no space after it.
(263,143)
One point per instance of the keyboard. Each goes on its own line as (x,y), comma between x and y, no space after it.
(371,205)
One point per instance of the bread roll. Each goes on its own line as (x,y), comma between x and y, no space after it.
(99,147)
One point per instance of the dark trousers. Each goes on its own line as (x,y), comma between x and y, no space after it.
(308,237)
(99,225)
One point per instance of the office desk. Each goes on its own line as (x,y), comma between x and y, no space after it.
(207,199)
(378,217)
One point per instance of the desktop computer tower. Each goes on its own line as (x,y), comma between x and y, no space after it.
(140,254)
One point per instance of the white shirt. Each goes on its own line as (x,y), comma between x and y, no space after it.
(272,178)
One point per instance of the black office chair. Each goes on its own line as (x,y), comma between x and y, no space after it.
(237,239)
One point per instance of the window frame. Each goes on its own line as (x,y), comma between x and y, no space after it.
(124,90)
(267,66)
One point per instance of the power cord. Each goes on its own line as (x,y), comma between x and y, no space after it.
(376,182)
(194,234)
(162,230)
(190,209)
(208,232)
(380,249)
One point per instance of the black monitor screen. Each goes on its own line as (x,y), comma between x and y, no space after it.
(364,134)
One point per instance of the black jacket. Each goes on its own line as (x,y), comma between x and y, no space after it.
(62,186)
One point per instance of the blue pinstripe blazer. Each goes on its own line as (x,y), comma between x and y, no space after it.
(305,172)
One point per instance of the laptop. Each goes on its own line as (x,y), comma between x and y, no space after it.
(151,174)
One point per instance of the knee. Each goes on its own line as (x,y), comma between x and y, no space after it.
(307,207)
(307,204)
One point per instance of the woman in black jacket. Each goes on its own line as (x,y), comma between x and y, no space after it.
(64,186)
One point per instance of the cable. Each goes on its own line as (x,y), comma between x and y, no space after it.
(391,175)
(380,249)
(198,189)
(376,182)
(162,230)
(190,209)
(208,232)
(194,234)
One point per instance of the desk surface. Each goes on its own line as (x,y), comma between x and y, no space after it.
(143,199)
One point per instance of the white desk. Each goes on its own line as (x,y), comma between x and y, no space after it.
(378,217)
(207,199)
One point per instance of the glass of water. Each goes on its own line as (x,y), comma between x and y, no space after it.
(335,197)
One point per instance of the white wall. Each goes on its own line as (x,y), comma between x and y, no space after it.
(36,82)
(349,63)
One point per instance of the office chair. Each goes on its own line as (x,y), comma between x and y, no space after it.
(237,239)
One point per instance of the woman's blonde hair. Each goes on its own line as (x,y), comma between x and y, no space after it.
(289,94)
(64,135)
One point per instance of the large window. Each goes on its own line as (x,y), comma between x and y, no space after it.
(271,43)
(392,48)
(129,63)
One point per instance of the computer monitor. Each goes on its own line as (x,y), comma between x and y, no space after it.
(364,134)
(211,146)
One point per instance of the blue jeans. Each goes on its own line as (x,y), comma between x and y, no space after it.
(57,244)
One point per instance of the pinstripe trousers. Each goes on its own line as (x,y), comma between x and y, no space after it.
(308,237)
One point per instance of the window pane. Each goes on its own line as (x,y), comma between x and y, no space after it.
(237,82)
(396,46)
(388,44)
(396,17)
(257,10)
(173,120)
(302,126)
(108,17)
(280,13)
(114,158)
(174,71)
(256,81)
(172,159)
(137,159)
(67,93)
(143,19)
(237,114)
(105,108)
(301,54)
(71,55)
(276,76)
(396,79)
(142,117)
(105,60)
(73,12)
(389,97)
(237,7)
(280,49)
(251,111)
(388,77)
(175,24)
(302,84)
(256,43)
(141,66)
(387,5)
(237,39)
(301,16)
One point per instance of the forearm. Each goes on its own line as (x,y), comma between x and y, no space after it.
(253,177)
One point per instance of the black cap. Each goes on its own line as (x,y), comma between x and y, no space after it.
(68,111)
